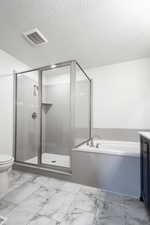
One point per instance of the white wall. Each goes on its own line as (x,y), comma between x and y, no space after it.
(121,95)
(7,65)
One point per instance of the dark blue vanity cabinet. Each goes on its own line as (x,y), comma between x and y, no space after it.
(145,170)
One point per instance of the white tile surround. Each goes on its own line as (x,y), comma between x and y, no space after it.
(53,159)
(38,200)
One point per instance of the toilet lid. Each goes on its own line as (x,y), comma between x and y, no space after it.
(5,158)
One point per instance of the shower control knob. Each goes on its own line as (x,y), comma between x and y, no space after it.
(34,115)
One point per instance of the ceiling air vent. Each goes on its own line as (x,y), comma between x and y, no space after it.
(35,37)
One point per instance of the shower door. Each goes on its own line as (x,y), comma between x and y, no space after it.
(55,117)
(27,118)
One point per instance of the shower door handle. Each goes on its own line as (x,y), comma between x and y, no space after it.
(34,115)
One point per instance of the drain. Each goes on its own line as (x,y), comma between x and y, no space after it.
(2,220)
(53,161)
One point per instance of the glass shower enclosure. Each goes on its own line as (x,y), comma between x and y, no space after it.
(52,114)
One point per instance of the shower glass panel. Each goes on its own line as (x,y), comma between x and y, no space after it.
(56,117)
(27,110)
(82,106)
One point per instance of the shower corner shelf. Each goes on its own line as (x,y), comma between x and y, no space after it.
(46,106)
(46,103)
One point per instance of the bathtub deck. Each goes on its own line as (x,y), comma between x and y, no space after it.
(121,148)
(39,200)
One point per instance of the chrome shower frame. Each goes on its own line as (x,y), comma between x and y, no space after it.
(45,167)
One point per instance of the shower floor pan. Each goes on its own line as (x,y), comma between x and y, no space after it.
(52,159)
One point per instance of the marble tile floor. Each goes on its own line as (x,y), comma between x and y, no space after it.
(38,200)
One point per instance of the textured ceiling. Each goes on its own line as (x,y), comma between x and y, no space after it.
(94,32)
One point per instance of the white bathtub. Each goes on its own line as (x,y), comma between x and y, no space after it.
(114,166)
(113,148)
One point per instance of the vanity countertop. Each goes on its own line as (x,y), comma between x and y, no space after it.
(145,134)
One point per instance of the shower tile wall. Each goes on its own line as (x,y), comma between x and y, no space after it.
(27,128)
(56,119)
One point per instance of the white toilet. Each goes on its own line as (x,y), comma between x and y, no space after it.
(6,162)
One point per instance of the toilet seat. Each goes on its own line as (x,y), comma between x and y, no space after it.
(4,159)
